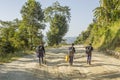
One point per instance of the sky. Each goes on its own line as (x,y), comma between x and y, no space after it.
(81,12)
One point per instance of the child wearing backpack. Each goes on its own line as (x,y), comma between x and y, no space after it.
(89,50)
(71,54)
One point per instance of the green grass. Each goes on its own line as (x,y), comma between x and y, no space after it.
(108,38)
(13,56)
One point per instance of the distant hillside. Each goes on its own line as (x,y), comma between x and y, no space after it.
(70,40)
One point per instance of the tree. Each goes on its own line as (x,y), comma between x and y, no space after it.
(7,31)
(32,20)
(108,11)
(58,17)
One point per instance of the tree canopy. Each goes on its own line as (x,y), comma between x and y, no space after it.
(58,16)
(32,21)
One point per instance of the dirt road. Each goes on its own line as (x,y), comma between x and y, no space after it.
(27,68)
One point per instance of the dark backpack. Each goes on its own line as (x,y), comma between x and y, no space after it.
(88,49)
(71,51)
(39,49)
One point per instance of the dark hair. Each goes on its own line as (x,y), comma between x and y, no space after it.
(90,44)
(72,44)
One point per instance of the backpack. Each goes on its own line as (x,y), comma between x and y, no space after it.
(39,49)
(71,51)
(88,49)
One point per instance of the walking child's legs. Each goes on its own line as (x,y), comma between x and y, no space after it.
(71,60)
(39,61)
(89,59)
(42,60)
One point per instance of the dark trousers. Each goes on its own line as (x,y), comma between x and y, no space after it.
(71,60)
(89,58)
(40,56)
(41,60)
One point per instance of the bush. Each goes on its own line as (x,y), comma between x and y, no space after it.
(6,48)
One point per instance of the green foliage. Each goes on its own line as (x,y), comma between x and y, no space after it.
(7,30)
(104,31)
(19,35)
(108,11)
(58,29)
(58,17)
(32,22)
(6,48)
(56,8)
(85,35)
(104,37)
(112,37)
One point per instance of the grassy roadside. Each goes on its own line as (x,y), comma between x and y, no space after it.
(14,56)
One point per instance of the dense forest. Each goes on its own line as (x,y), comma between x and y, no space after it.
(104,31)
